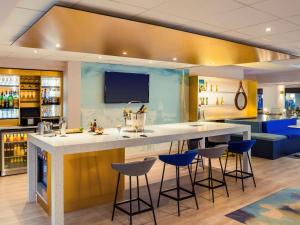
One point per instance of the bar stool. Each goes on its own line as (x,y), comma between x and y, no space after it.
(178,160)
(212,153)
(195,144)
(240,147)
(136,169)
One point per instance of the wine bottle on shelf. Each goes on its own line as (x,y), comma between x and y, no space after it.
(5,100)
(16,100)
(10,100)
(45,97)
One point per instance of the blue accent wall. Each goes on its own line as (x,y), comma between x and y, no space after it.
(164,94)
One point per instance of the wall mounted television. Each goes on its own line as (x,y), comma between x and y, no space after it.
(122,87)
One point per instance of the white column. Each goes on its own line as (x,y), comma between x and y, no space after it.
(72,85)
(57,188)
(32,171)
(273,96)
(246,166)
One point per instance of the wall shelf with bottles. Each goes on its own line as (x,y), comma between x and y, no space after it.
(26,89)
(29,91)
(213,98)
(9,97)
(51,97)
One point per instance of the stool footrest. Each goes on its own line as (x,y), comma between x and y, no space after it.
(118,206)
(245,174)
(200,183)
(164,193)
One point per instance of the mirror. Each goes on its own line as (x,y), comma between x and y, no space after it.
(240,98)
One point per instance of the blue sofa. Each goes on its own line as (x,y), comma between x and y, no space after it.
(281,127)
(274,138)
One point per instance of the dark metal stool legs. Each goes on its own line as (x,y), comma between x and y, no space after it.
(211,186)
(116,195)
(131,213)
(150,197)
(251,169)
(161,184)
(178,188)
(239,173)
(223,177)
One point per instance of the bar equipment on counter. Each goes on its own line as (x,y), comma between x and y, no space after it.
(135,121)
(62,127)
(45,128)
(95,128)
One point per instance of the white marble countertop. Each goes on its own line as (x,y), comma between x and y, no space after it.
(84,142)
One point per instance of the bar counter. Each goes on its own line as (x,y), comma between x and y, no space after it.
(92,155)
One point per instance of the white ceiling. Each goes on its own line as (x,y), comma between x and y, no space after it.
(241,20)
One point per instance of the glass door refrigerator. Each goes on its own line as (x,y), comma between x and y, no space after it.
(14,152)
(51,100)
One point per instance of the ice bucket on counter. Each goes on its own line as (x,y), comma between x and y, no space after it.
(135,121)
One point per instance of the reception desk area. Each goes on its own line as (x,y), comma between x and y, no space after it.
(86,153)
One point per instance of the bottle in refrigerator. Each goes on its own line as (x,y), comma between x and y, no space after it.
(10,100)
(11,138)
(5,100)
(16,100)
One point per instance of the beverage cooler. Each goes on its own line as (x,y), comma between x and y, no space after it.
(26,98)
(14,152)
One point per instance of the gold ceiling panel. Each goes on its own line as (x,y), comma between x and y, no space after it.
(81,31)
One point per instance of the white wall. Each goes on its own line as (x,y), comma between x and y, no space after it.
(72,86)
(37,64)
(272,96)
(233,72)
(277,77)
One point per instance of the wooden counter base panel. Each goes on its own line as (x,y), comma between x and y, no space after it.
(89,179)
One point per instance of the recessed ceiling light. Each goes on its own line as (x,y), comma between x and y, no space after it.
(57,45)
(99,57)
(268,29)
(174,59)
(124,53)
(35,51)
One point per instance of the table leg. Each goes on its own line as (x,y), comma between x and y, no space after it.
(57,188)
(202,146)
(32,171)
(246,166)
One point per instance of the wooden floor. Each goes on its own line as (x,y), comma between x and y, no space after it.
(271,176)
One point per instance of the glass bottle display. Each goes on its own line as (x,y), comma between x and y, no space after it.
(51,97)
(9,96)
(14,152)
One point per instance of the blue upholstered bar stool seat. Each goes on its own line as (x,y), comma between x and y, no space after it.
(178,160)
(240,148)
(215,152)
(134,169)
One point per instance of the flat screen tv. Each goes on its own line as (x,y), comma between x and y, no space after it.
(126,87)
